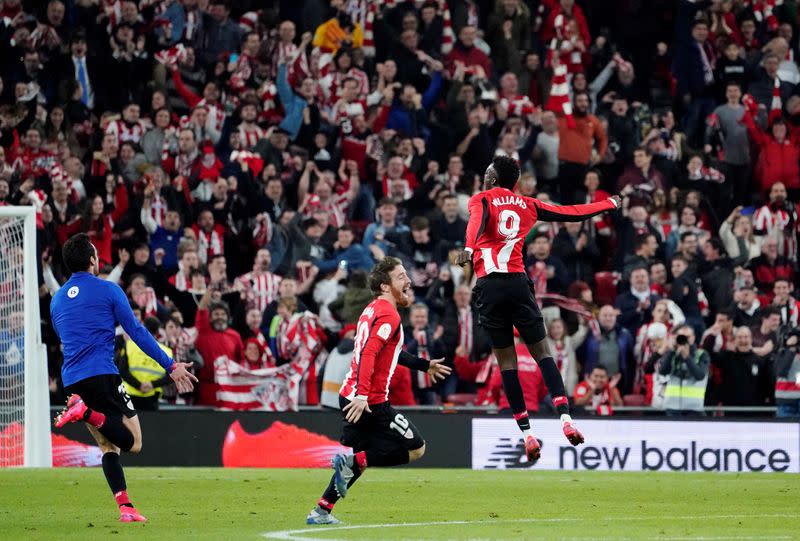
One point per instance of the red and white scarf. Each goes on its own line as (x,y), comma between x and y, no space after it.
(423,379)
(185,162)
(251,135)
(147,301)
(126,132)
(180,280)
(448,36)
(465,337)
(209,244)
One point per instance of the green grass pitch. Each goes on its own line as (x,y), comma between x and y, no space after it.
(402,504)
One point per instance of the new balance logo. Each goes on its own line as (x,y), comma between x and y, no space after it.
(508,454)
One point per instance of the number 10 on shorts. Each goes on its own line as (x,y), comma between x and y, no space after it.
(401,424)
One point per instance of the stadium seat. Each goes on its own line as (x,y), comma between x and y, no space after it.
(462,399)
(634,400)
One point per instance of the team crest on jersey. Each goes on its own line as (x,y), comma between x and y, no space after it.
(385,331)
(73,292)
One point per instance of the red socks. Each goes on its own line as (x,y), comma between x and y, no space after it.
(325,504)
(361,460)
(561,403)
(122,498)
(94,418)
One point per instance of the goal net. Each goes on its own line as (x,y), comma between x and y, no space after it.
(24,397)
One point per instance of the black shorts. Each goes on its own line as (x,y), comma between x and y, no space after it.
(504,301)
(385,429)
(105,394)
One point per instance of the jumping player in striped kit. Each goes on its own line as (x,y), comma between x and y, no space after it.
(378,434)
(499,221)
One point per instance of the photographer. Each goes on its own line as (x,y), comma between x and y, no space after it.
(687,368)
(787,370)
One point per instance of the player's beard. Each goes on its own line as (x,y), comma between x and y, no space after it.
(401,296)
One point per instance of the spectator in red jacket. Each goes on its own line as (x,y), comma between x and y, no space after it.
(214,339)
(568,10)
(98,223)
(597,391)
(475,61)
(769,266)
(778,154)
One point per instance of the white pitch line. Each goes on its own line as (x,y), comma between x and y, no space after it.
(296,535)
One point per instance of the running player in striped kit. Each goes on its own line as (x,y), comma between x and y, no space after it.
(379,435)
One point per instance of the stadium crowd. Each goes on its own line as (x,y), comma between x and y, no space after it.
(240,166)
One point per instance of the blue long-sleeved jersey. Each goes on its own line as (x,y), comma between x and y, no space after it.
(85,312)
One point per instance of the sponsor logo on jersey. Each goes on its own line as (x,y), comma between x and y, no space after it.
(385,331)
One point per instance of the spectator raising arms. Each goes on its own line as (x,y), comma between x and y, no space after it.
(258,152)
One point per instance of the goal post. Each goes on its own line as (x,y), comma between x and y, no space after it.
(25,438)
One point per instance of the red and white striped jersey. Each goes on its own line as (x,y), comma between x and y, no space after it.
(127,132)
(259,289)
(337,207)
(378,342)
(158,209)
(664,222)
(250,135)
(499,221)
(781,224)
(344,117)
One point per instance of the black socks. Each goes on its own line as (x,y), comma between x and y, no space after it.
(555,385)
(515,398)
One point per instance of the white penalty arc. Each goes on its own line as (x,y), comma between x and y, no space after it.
(326,533)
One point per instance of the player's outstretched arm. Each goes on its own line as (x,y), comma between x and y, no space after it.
(574,213)
(184,381)
(474,228)
(435,369)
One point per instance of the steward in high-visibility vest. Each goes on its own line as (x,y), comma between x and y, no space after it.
(688,376)
(143,368)
(143,377)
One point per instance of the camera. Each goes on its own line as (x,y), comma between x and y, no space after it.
(682,340)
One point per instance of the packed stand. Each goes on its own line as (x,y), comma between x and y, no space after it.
(240,168)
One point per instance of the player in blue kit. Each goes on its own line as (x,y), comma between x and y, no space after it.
(85,313)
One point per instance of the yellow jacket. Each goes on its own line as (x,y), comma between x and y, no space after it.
(329,36)
(143,368)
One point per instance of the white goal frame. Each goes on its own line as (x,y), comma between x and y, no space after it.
(38,451)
